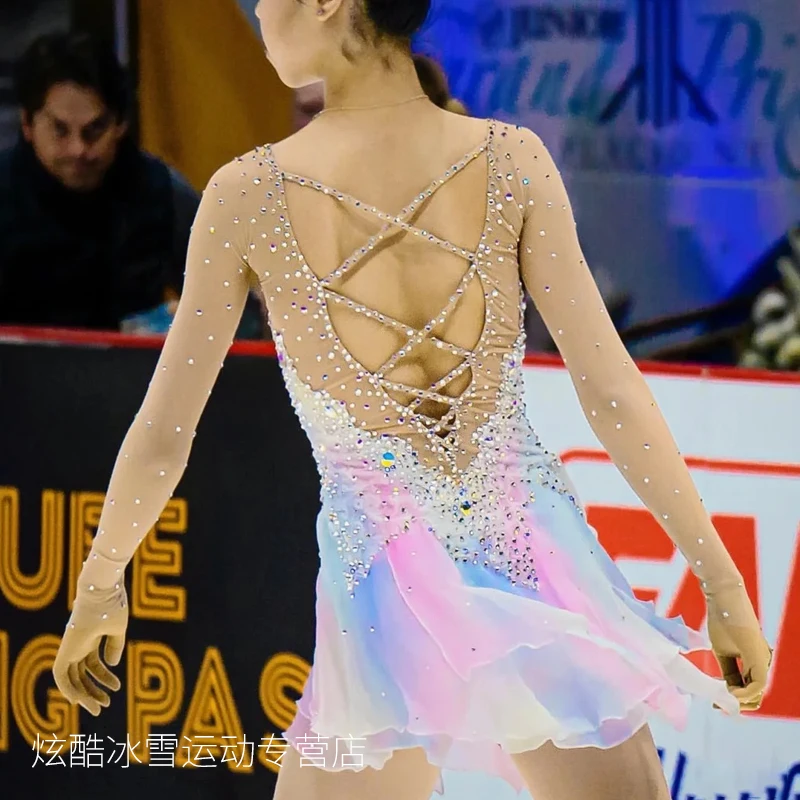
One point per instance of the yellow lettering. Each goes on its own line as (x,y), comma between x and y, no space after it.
(212,726)
(155,691)
(5,657)
(84,517)
(284,671)
(61,718)
(157,557)
(31,592)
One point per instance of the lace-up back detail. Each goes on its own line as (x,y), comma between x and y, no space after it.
(408,330)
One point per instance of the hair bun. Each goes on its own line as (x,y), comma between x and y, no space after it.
(399,18)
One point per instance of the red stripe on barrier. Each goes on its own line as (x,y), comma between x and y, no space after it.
(717,464)
(62,336)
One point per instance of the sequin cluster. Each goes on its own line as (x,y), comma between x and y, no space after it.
(374,487)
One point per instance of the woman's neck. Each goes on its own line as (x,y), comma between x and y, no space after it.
(370,82)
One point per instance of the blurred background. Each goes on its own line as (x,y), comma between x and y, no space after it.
(685,188)
(676,125)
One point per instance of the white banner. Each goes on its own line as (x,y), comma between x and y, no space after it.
(740,435)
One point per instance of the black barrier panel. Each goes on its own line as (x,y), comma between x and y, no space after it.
(237,631)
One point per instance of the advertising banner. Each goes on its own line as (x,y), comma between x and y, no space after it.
(222,591)
(683,115)
(739,434)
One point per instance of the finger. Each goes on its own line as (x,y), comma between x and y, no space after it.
(749,696)
(729,667)
(100,672)
(751,705)
(61,673)
(81,694)
(63,681)
(746,707)
(114,647)
(757,670)
(727,711)
(94,691)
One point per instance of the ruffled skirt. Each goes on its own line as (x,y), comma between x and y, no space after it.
(453,657)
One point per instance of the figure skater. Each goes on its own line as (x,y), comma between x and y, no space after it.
(467,617)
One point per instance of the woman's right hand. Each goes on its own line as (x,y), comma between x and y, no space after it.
(78,669)
(739,645)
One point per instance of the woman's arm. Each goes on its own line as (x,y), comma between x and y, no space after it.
(623,415)
(614,395)
(156,448)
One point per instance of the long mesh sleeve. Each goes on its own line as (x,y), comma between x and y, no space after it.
(156,448)
(616,399)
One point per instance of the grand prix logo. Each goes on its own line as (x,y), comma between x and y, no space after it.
(761,530)
(726,73)
(658,78)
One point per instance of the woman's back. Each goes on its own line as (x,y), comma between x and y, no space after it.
(395,267)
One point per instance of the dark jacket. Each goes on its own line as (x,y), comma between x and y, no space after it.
(69,259)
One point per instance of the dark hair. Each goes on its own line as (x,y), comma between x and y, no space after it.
(432,79)
(400,19)
(70,58)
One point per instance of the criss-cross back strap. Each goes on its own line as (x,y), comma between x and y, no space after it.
(390,322)
(393,224)
(425,332)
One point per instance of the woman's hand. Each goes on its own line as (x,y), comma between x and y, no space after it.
(739,645)
(78,667)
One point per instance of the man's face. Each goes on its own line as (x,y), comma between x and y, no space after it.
(74,136)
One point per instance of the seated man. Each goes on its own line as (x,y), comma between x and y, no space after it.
(92,230)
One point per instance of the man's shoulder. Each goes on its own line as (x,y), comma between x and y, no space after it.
(181,188)
(6,160)
(185,199)
(154,164)
(9,188)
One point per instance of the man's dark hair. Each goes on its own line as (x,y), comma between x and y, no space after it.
(70,58)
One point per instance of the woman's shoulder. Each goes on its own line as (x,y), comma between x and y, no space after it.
(519,143)
(523,146)
(514,136)
(246,170)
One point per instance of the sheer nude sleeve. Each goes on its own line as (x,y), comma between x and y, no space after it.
(156,448)
(613,394)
